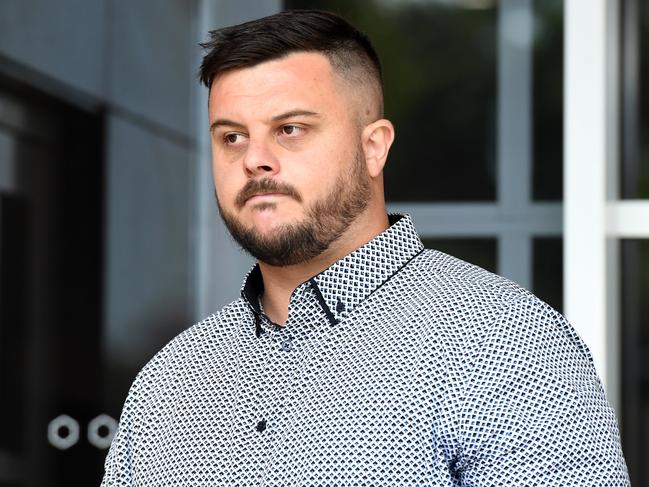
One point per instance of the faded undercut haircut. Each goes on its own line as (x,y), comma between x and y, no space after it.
(349,51)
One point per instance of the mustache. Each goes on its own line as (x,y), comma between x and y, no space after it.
(264,186)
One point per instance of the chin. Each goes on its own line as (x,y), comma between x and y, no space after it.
(267,220)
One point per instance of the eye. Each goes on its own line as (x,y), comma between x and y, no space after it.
(292,130)
(233,138)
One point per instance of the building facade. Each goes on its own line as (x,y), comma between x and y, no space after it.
(522,146)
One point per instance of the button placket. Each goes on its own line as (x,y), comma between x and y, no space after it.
(286,341)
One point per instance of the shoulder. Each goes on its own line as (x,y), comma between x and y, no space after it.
(457,294)
(469,307)
(158,387)
(457,278)
(215,335)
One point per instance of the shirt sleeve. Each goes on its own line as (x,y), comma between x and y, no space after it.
(118,467)
(534,410)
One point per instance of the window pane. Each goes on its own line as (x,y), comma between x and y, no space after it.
(479,251)
(635,345)
(547,99)
(635,99)
(14,325)
(439,61)
(547,277)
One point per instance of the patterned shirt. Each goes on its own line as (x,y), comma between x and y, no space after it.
(397,366)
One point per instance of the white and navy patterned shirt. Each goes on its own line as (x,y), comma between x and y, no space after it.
(398,366)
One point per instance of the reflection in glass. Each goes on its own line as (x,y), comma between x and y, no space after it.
(479,251)
(547,270)
(635,99)
(439,61)
(635,345)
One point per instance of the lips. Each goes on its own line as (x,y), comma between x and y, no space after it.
(257,195)
(265,187)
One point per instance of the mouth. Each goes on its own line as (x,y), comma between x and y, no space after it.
(258,197)
(265,191)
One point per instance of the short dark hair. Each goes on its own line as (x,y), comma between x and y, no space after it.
(273,37)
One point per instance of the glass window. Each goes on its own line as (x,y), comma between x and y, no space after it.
(439,61)
(14,291)
(547,100)
(479,251)
(635,343)
(547,270)
(635,99)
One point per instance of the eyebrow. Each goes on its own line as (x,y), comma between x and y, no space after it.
(295,113)
(224,122)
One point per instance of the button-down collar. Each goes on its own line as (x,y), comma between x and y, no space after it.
(349,281)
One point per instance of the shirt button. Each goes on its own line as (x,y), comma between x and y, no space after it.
(261,426)
(287,346)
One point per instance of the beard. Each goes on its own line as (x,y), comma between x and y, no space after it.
(325,220)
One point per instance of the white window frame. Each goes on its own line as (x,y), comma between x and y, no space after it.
(595,216)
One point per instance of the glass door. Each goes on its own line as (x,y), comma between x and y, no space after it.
(50,292)
(634,249)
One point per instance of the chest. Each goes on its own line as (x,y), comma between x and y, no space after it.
(356,405)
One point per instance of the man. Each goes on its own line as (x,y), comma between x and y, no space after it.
(354,356)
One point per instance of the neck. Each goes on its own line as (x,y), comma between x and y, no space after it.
(280,282)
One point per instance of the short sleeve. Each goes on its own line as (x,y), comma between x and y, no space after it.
(534,411)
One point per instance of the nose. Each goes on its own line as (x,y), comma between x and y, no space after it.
(259,160)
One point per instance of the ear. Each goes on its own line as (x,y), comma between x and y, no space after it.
(376,139)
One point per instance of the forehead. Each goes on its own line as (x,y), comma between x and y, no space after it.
(300,78)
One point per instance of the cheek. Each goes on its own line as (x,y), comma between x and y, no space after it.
(226,183)
(330,159)
(316,178)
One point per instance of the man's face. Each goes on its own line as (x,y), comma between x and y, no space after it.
(288,167)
